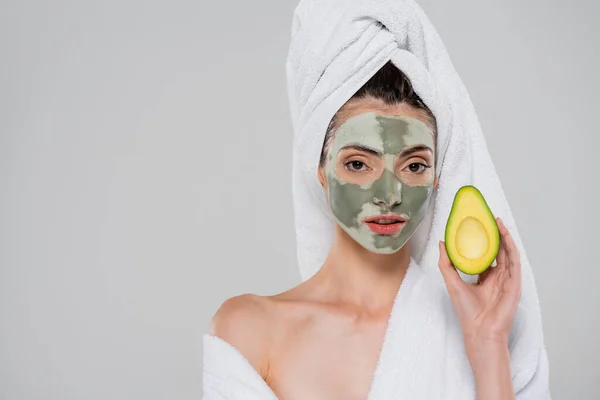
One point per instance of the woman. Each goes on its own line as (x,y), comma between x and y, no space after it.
(343,309)
(335,336)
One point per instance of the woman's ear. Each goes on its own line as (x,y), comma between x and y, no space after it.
(435,181)
(321,176)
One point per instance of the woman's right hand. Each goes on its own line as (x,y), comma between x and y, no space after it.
(486,309)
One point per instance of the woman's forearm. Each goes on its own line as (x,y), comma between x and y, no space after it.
(491,368)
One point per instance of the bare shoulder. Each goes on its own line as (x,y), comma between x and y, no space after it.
(246,322)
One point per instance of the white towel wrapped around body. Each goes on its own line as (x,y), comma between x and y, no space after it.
(337,46)
(228,375)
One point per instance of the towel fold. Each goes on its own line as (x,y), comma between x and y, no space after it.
(228,375)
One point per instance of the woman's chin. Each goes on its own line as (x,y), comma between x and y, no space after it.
(384,250)
(382,247)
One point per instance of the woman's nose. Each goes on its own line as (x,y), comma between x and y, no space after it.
(388,190)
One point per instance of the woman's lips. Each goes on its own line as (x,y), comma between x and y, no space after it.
(387,224)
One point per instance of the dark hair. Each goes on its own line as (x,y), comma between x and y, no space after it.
(391,86)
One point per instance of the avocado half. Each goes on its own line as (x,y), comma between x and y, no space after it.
(472,236)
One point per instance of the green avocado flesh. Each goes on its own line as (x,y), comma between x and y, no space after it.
(472,236)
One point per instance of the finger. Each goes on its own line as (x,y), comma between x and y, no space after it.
(508,303)
(504,239)
(511,293)
(514,260)
(484,276)
(505,263)
(451,276)
(501,258)
(511,247)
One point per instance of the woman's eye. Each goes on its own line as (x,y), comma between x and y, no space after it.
(356,166)
(417,167)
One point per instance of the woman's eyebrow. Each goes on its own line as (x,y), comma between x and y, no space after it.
(359,147)
(414,149)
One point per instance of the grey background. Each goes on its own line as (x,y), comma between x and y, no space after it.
(145,177)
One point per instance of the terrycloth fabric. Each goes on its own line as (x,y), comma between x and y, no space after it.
(228,375)
(336,46)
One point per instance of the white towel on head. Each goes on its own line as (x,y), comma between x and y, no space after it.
(336,46)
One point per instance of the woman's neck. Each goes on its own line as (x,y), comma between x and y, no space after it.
(355,276)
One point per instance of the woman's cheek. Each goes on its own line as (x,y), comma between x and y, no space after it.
(347,201)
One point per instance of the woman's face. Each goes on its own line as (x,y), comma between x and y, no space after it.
(379,177)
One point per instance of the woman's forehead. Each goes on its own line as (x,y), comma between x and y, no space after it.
(388,133)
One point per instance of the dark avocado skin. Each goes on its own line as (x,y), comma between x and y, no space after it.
(485,262)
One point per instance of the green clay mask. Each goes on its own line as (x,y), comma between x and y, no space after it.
(369,174)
